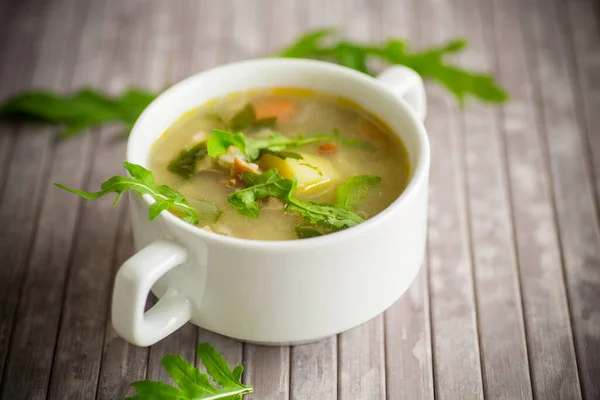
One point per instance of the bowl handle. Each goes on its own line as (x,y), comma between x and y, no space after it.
(133,282)
(408,85)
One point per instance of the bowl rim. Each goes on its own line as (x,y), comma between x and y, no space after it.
(418,178)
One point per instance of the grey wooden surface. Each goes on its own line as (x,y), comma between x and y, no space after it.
(507,305)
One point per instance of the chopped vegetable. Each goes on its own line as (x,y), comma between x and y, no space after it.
(142,182)
(328,148)
(353,189)
(274,108)
(311,172)
(192,383)
(186,163)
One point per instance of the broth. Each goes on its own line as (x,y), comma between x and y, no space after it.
(364,146)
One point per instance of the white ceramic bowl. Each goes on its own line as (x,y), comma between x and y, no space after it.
(275,292)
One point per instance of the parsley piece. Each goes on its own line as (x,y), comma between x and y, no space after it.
(79,111)
(142,182)
(192,383)
(429,63)
(353,189)
(186,163)
(272,184)
(219,142)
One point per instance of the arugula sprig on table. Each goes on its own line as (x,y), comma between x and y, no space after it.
(89,108)
(142,182)
(192,383)
(324,44)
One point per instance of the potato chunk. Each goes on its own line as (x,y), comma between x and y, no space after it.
(311,172)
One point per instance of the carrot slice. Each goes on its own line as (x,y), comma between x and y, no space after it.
(273,108)
(328,148)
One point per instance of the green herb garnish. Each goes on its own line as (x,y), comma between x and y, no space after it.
(243,118)
(272,184)
(354,189)
(284,154)
(82,110)
(305,232)
(219,142)
(186,163)
(313,168)
(142,182)
(258,187)
(193,384)
(428,63)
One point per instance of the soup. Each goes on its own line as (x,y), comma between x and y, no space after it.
(279,164)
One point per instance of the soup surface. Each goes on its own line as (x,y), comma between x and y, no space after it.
(318,140)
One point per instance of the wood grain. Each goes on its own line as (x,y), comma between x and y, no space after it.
(453,314)
(572,184)
(408,357)
(505,370)
(550,344)
(26,176)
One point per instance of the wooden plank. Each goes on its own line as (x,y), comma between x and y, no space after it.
(583,17)
(584,25)
(19,205)
(89,283)
(552,363)
(361,352)
(35,330)
(171,30)
(572,182)
(505,369)
(456,357)
(408,357)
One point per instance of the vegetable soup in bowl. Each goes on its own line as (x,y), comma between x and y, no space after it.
(281,163)
(279,201)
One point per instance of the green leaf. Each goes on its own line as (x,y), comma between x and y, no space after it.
(193,384)
(258,187)
(186,163)
(272,184)
(353,189)
(79,111)
(243,118)
(308,45)
(304,232)
(219,142)
(269,122)
(142,182)
(283,154)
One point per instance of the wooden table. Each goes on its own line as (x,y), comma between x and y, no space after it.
(508,304)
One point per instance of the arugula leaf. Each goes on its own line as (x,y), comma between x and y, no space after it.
(428,63)
(193,384)
(186,162)
(324,215)
(272,184)
(79,111)
(243,118)
(258,187)
(284,154)
(353,189)
(142,182)
(219,142)
(304,232)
